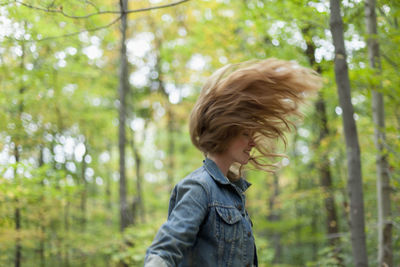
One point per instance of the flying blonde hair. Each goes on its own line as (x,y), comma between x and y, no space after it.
(258,96)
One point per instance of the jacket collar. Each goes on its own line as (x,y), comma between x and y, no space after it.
(219,177)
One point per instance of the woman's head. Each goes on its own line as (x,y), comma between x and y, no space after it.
(257,96)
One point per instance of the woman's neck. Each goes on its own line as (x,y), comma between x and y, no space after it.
(221,161)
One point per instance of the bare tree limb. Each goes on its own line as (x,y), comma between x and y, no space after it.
(72,33)
(60,9)
(156,7)
(86,30)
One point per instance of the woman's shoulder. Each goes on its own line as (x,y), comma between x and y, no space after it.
(198,177)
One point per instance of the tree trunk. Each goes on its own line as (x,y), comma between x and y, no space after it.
(355,189)
(171,146)
(17,212)
(275,216)
(138,163)
(17,143)
(41,249)
(332,223)
(18,247)
(385,254)
(169,111)
(299,211)
(84,189)
(125,212)
(108,188)
(66,228)
(314,229)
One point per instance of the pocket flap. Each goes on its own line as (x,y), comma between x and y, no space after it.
(229,215)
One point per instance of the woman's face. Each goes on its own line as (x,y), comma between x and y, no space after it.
(240,148)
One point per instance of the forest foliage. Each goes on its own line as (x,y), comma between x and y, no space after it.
(59,161)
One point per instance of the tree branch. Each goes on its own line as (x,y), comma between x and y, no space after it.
(156,7)
(72,33)
(390,61)
(90,3)
(60,9)
(78,32)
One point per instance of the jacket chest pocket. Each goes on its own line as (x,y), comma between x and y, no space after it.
(228,224)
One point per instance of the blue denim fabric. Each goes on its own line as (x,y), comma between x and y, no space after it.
(207,223)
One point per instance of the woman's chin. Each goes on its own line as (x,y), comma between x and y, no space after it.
(244,162)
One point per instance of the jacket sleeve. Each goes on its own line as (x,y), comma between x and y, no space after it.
(187,209)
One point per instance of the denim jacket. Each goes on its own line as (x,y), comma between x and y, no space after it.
(207,224)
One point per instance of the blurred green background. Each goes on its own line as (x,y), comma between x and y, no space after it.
(60,112)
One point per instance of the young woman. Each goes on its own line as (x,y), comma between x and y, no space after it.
(240,110)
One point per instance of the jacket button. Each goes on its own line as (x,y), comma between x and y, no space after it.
(239,207)
(248,265)
(248,234)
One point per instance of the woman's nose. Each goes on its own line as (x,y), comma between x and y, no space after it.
(251,142)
